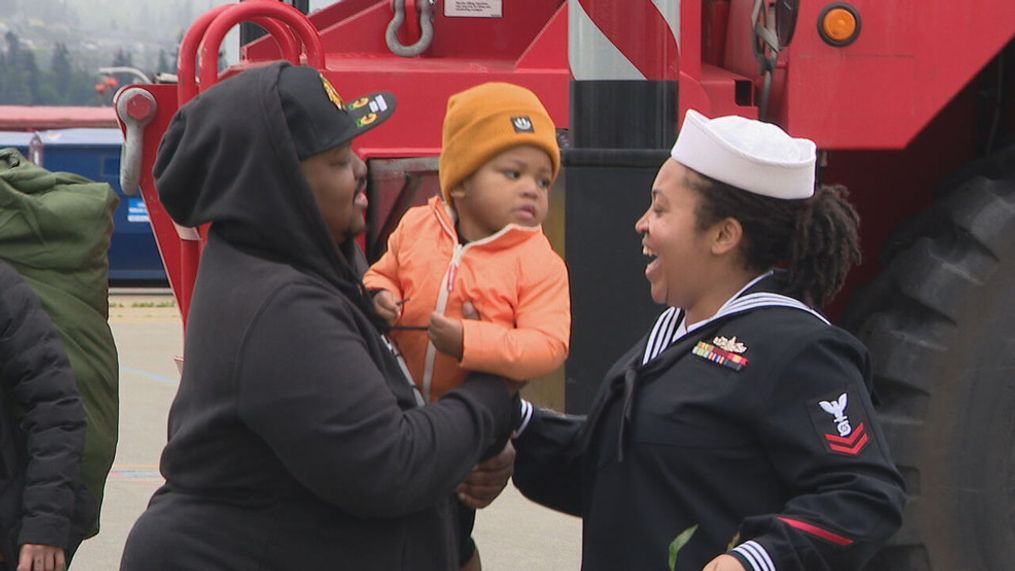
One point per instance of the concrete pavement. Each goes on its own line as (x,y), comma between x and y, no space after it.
(513,533)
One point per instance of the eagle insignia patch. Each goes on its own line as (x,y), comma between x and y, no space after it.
(842,429)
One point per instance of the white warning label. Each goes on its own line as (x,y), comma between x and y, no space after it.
(474,8)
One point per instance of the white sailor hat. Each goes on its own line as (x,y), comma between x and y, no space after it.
(751,155)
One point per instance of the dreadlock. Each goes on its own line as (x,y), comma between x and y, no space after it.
(818,236)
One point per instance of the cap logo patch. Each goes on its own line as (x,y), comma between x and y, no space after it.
(366,119)
(379,104)
(522,124)
(359,103)
(332,94)
(844,439)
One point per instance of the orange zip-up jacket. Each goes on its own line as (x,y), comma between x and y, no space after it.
(517,283)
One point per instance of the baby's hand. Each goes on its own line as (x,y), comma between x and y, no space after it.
(387,307)
(446,335)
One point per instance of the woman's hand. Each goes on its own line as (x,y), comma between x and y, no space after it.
(41,558)
(487,480)
(387,307)
(724,563)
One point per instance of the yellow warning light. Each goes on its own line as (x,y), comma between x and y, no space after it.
(839,24)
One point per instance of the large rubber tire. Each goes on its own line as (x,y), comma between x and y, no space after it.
(940,325)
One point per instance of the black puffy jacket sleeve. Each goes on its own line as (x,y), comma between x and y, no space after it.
(34,369)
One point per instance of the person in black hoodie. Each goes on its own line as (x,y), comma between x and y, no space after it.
(44,508)
(295,440)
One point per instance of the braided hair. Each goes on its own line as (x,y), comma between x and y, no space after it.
(818,236)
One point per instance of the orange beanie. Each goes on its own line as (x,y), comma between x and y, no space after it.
(486,120)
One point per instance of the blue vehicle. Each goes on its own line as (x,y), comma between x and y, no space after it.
(20,140)
(95,154)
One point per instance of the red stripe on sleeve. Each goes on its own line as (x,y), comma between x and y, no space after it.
(817,531)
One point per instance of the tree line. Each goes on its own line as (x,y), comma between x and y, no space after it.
(22,82)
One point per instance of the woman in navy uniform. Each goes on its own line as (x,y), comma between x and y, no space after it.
(742,422)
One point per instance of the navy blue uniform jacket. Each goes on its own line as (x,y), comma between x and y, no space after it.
(779,459)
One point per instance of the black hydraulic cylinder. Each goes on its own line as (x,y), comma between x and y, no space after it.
(622,132)
(623,114)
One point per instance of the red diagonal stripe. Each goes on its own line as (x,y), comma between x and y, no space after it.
(852,450)
(846,440)
(817,531)
(649,44)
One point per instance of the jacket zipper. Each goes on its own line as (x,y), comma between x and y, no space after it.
(442,306)
(449,286)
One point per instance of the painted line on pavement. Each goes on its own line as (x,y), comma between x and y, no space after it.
(164,379)
(136,472)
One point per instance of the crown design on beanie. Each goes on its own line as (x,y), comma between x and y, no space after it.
(486,120)
(522,124)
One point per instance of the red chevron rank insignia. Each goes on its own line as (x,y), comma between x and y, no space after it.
(840,425)
(849,445)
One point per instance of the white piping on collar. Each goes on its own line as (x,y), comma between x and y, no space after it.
(670,328)
(453,232)
(732,299)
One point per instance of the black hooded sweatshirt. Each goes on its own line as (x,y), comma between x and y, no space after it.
(295,441)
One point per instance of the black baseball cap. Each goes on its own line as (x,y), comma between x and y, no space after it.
(318,118)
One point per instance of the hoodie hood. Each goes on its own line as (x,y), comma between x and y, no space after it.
(228,159)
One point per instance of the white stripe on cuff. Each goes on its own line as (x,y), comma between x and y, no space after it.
(756,555)
(526,417)
(750,559)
